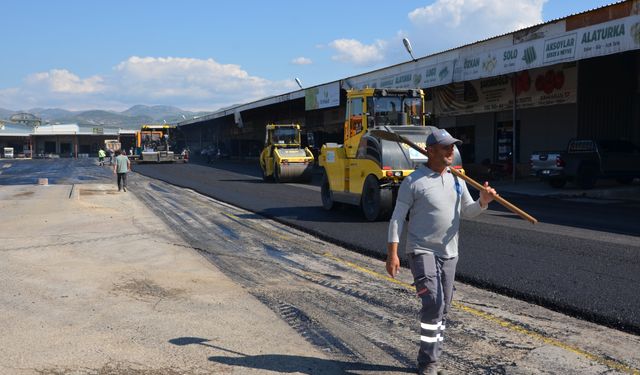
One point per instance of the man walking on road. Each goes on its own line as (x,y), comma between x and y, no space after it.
(435,200)
(121,167)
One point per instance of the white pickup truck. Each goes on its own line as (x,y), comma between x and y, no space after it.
(548,166)
(586,160)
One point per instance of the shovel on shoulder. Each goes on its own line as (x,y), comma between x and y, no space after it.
(394,137)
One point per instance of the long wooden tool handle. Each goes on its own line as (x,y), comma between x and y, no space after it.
(398,138)
(513,208)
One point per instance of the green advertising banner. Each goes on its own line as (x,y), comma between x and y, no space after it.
(322,96)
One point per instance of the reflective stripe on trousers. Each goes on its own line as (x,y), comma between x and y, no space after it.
(433,278)
(431,333)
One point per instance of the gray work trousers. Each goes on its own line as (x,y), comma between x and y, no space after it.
(433,278)
(122,181)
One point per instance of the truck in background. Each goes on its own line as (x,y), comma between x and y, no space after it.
(111,145)
(127,139)
(549,167)
(586,161)
(154,144)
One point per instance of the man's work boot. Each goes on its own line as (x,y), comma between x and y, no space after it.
(428,369)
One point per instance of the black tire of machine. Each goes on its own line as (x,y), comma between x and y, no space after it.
(265,177)
(376,203)
(587,176)
(325,192)
(276,173)
(307,175)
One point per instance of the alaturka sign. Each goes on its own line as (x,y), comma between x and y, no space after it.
(603,33)
(547,45)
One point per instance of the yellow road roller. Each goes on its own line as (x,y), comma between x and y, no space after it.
(283,158)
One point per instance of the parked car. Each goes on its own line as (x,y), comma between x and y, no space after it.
(548,166)
(587,160)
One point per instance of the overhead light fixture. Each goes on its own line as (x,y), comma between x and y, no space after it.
(407,46)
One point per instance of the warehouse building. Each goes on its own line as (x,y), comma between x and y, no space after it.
(51,141)
(578,76)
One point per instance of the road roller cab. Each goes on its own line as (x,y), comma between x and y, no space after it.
(283,157)
(366,171)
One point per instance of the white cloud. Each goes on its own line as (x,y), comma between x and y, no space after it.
(193,84)
(301,61)
(63,81)
(448,24)
(354,52)
(171,77)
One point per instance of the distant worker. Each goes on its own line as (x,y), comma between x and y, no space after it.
(110,153)
(436,200)
(101,155)
(185,154)
(121,168)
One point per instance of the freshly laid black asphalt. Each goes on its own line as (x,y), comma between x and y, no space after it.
(594,275)
(591,277)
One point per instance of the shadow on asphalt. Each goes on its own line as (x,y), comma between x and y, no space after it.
(282,363)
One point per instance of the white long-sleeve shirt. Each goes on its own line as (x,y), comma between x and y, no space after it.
(435,203)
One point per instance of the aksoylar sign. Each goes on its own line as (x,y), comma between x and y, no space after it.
(602,39)
(548,45)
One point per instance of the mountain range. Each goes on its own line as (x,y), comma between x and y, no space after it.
(132,118)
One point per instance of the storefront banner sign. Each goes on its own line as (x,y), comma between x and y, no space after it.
(468,67)
(561,48)
(516,58)
(433,75)
(405,80)
(609,37)
(500,61)
(602,39)
(439,74)
(487,64)
(409,79)
(534,88)
(322,96)
(555,47)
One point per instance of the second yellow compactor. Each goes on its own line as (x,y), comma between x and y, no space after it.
(283,157)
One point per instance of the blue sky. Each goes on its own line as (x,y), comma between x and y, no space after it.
(204,55)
